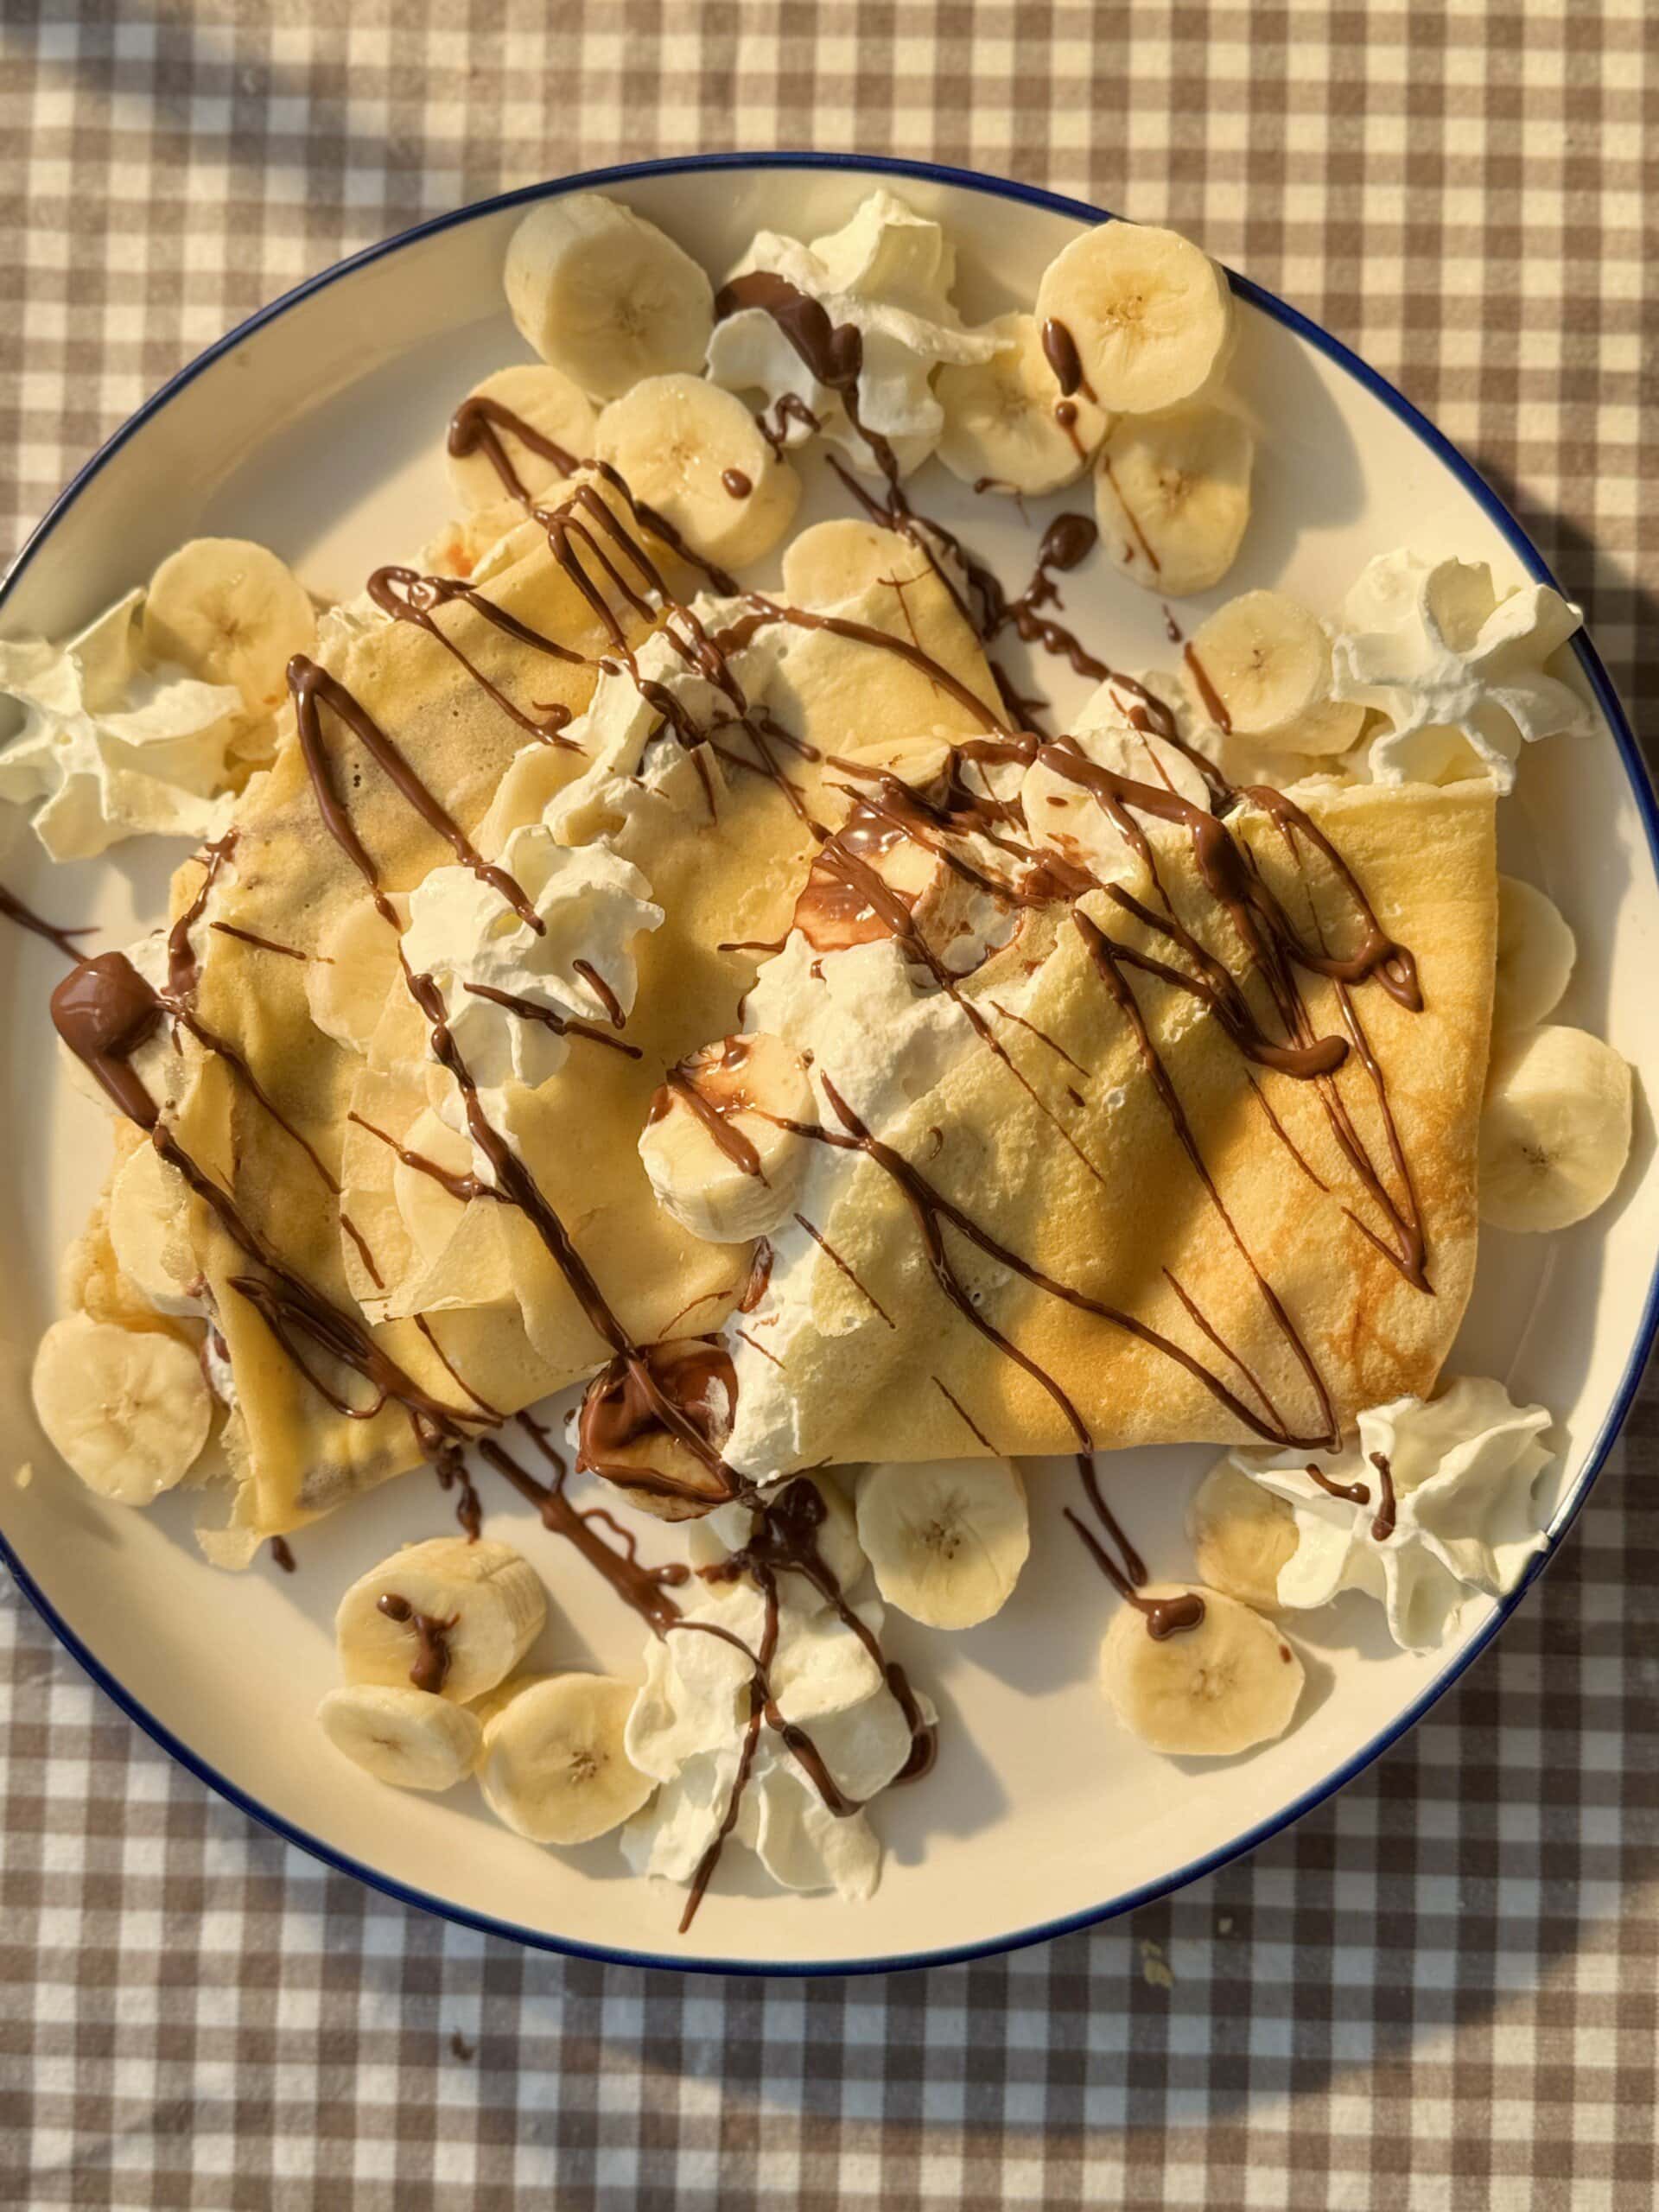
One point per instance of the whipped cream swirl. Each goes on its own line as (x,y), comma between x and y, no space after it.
(115,748)
(886,273)
(1456,665)
(1448,1507)
(508,990)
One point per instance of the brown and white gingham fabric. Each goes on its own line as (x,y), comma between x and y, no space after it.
(1440,1991)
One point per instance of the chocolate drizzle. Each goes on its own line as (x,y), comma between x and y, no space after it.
(1163,1616)
(784,1539)
(477,426)
(834,351)
(562,1024)
(1060,350)
(183,970)
(431,1661)
(1141,540)
(1388,1510)
(1350,1493)
(710,1087)
(14,910)
(405,595)
(788,407)
(261,944)
(311,687)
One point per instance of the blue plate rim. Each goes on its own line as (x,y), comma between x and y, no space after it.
(1647,1329)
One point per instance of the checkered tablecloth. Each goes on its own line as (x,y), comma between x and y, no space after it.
(1440,1991)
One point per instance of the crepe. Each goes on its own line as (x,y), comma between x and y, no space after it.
(877,1362)
(492,1322)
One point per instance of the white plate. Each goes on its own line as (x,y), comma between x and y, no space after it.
(317,426)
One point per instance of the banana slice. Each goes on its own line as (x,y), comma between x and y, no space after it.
(1203,1692)
(1242,1536)
(1173,496)
(1555,1129)
(348,984)
(692,451)
(1150,315)
(839,559)
(554,1768)
(129,1409)
(545,400)
(718,1164)
(946,1538)
(488,1605)
(230,612)
(149,1203)
(916,758)
(1536,952)
(1006,427)
(402,1736)
(1264,660)
(604,295)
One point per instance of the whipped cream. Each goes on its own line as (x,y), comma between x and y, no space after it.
(686,1730)
(115,748)
(1456,665)
(1463,1468)
(888,272)
(463,933)
(632,747)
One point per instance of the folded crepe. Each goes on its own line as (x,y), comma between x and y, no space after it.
(295,1126)
(1238,1244)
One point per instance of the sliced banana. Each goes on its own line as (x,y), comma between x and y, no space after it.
(605,296)
(1264,660)
(1172,497)
(946,1538)
(1203,1693)
(129,1409)
(1536,952)
(149,1233)
(1555,1129)
(488,1601)
(692,451)
(1242,1536)
(402,1736)
(1150,315)
(554,1768)
(841,558)
(230,612)
(717,1160)
(543,399)
(1002,429)
(917,758)
(348,984)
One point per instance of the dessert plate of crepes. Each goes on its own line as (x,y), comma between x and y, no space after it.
(828,995)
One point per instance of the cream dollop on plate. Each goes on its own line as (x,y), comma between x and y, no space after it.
(1462,1468)
(1456,665)
(888,273)
(686,1730)
(116,749)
